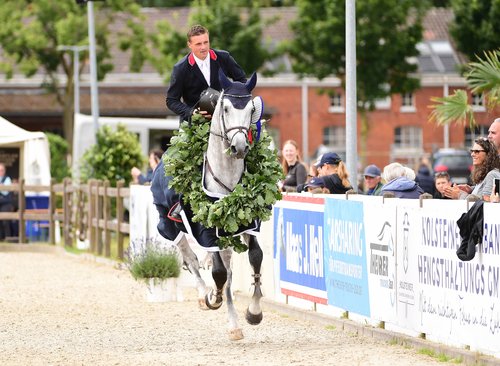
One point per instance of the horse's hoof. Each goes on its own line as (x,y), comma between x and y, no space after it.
(235,334)
(253,319)
(202,305)
(216,305)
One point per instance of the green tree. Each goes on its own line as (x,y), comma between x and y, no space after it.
(58,147)
(31,32)
(235,26)
(387,32)
(476,26)
(113,156)
(483,77)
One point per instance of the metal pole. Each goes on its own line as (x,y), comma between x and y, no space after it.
(76,74)
(305,122)
(76,80)
(351,101)
(93,68)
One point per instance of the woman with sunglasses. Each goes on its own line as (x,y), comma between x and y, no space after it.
(486,166)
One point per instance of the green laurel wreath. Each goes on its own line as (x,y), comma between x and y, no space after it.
(251,199)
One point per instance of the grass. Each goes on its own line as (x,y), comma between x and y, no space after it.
(441,357)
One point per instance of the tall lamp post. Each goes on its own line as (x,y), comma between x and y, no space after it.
(351,100)
(94,96)
(76,75)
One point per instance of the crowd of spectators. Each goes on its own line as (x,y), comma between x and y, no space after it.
(328,174)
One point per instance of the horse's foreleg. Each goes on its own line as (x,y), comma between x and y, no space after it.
(253,314)
(213,299)
(235,332)
(191,262)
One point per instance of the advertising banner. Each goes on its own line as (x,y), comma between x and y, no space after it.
(298,250)
(345,256)
(451,294)
(380,233)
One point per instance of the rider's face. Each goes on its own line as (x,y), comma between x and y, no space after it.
(199,45)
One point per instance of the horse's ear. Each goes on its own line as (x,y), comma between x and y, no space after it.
(225,83)
(251,82)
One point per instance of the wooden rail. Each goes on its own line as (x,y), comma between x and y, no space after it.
(92,210)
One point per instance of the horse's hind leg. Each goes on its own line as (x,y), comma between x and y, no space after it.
(191,262)
(253,314)
(213,299)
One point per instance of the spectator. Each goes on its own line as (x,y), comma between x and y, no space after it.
(333,174)
(495,197)
(494,134)
(485,165)
(399,183)
(5,203)
(154,159)
(313,172)
(425,180)
(317,185)
(441,181)
(293,168)
(373,184)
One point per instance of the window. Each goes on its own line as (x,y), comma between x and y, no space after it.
(407,102)
(383,103)
(408,137)
(471,135)
(334,139)
(336,103)
(478,103)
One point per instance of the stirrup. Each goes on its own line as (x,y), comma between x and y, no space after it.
(175,212)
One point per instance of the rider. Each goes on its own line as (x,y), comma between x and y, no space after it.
(192,75)
(198,71)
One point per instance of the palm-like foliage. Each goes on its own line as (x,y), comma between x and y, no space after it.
(483,77)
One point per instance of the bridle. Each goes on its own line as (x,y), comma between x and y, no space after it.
(241,129)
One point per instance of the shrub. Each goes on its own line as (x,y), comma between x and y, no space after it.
(116,152)
(58,146)
(149,259)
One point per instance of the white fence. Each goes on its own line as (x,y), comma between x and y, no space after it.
(391,261)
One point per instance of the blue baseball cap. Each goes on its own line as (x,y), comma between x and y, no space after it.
(329,158)
(372,171)
(315,182)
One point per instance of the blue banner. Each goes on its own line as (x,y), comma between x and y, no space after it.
(298,245)
(346,275)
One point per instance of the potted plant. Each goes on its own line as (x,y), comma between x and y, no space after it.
(158,266)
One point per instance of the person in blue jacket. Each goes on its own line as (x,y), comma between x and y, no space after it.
(398,183)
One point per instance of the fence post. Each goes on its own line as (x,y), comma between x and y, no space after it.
(22,208)
(52,210)
(98,216)
(106,216)
(66,213)
(91,210)
(119,218)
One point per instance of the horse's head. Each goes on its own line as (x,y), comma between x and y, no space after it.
(235,112)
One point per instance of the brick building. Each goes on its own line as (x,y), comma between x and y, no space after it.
(399,128)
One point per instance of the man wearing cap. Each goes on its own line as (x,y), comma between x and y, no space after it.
(372,178)
(333,175)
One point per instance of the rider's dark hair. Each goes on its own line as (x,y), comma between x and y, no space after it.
(196,30)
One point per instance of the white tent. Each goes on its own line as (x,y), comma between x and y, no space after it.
(34,157)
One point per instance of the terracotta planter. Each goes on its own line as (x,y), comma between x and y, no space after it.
(162,290)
